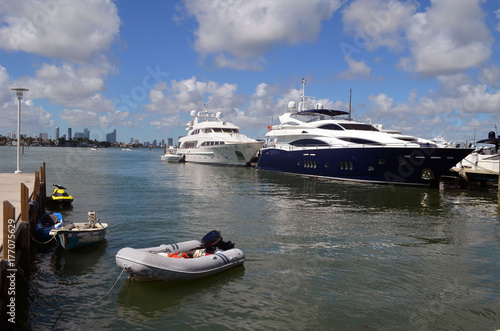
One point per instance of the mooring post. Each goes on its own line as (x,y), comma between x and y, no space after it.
(43,186)
(24,231)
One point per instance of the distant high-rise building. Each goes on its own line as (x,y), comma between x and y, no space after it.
(44,136)
(86,133)
(57,133)
(111,137)
(69,134)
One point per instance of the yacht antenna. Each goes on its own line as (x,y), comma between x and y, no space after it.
(303,89)
(350,94)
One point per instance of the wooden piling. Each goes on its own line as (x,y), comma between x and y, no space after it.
(16,240)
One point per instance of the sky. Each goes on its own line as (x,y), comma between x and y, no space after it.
(427,68)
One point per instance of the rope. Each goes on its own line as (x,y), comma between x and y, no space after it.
(42,243)
(112,287)
(59,309)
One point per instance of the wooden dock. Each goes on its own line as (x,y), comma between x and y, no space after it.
(17,223)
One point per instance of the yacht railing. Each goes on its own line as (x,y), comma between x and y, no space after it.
(337,146)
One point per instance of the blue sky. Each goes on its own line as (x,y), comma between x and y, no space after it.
(427,68)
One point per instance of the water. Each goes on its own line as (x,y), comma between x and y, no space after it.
(321,254)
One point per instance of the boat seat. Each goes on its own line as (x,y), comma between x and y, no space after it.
(49,220)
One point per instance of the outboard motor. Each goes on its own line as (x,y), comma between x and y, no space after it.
(213,240)
(491,135)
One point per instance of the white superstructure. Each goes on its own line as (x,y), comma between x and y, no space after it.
(212,140)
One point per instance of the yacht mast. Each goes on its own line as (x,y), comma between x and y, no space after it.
(350,94)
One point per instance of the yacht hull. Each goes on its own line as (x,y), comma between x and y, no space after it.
(239,154)
(397,165)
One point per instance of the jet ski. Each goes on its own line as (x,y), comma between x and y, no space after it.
(59,198)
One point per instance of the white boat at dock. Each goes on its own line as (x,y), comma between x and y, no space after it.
(172,156)
(75,235)
(212,140)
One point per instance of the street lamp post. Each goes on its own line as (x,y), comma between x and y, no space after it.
(19,94)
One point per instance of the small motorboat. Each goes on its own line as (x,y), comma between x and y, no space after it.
(172,158)
(74,235)
(171,155)
(47,223)
(182,261)
(59,197)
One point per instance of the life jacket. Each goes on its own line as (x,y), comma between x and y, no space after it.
(177,256)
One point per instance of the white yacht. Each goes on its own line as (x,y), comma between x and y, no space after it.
(212,140)
(486,156)
(315,141)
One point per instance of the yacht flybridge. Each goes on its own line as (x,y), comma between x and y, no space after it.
(212,140)
(315,141)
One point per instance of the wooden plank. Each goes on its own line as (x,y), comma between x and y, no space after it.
(25,203)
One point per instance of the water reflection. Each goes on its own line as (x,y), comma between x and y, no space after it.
(142,301)
(77,262)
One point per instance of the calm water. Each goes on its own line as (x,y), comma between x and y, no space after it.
(321,254)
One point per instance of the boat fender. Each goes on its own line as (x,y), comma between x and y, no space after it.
(269,128)
(177,256)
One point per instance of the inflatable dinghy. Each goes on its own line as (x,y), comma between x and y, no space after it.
(181,261)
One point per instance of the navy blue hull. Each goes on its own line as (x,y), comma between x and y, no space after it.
(421,166)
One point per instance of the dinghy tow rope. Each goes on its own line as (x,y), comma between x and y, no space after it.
(39,295)
(42,243)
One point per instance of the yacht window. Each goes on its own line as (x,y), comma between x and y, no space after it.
(227,130)
(360,141)
(330,127)
(189,144)
(217,129)
(308,142)
(409,139)
(358,126)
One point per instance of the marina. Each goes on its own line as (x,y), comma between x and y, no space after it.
(319,253)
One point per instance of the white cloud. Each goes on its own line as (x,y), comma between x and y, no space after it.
(189,94)
(33,118)
(247,29)
(71,30)
(79,117)
(377,23)
(449,37)
(357,69)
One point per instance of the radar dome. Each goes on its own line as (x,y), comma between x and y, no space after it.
(218,114)
(193,113)
(292,105)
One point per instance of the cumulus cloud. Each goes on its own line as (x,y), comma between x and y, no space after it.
(247,29)
(189,94)
(33,118)
(79,117)
(74,31)
(357,69)
(377,23)
(441,42)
